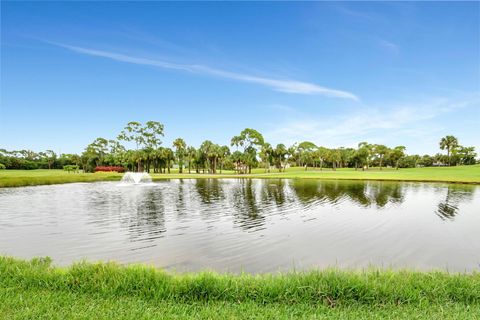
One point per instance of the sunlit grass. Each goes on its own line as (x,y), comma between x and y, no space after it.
(29,288)
(459,174)
(18,178)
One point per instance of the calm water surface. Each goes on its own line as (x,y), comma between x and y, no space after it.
(250,225)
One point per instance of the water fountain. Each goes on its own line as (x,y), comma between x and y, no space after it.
(136,178)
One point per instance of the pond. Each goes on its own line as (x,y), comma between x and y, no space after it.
(247,225)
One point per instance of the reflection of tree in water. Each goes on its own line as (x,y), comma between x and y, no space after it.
(356,192)
(209,190)
(147,222)
(385,192)
(248,215)
(180,203)
(274,191)
(333,192)
(448,209)
(306,190)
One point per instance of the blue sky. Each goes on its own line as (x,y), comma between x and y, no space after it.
(332,73)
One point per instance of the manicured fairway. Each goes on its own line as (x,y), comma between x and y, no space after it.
(19,178)
(460,174)
(36,290)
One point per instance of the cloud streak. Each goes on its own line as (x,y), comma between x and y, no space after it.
(373,124)
(389,46)
(282,85)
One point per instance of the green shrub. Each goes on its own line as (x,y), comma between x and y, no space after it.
(70,168)
(2,166)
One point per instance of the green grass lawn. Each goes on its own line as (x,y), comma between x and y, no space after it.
(460,174)
(35,289)
(18,178)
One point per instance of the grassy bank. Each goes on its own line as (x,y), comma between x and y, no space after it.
(20,178)
(460,174)
(34,288)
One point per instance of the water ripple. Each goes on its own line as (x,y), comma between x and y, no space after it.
(241,224)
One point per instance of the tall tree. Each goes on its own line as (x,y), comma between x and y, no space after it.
(180,150)
(248,139)
(305,151)
(213,154)
(321,154)
(117,151)
(266,155)
(466,155)
(396,154)
(169,156)
(224,153)
(191,152)
(448,143)
(333,156)
(280,154)
(380,151)
(97,150)
(50,156)
(132,132)
(146,136)
(366,149)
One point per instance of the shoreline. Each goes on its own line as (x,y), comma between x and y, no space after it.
(468,175)
(58,177)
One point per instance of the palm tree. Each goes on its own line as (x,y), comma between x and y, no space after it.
(224,153)
(305,152)
(467,155)
(213,155)
(157,160)
(335,157)
(380,150)
(366,149)
(191,153)
(169,157)
(321,153)
(292,152)
(266,155)
(280,153)
(449,143)
(180,148)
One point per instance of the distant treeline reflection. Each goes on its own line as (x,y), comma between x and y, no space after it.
(250,201)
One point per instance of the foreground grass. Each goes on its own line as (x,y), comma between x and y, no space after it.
(46,304)
(35,289)
(460,174)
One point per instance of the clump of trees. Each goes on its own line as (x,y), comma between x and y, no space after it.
(250,150)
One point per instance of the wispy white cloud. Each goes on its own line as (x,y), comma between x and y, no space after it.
(355,13)
(401,123)
(282,85)
(389,46)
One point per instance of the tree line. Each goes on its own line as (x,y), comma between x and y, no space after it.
(247,150)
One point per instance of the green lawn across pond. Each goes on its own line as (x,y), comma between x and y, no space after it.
(459,174)
(36,290)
